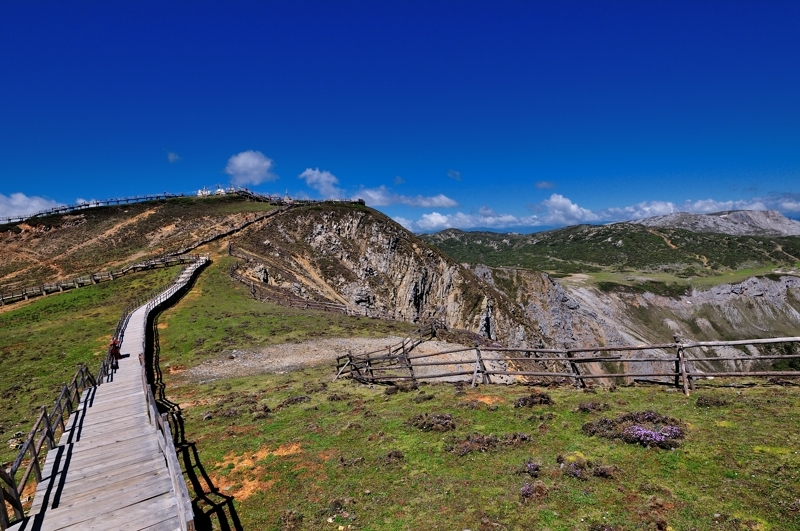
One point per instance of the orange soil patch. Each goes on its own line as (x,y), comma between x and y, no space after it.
(245,487)
(288,449)
(177,369)
(327,454)
(28,493)
(162,326)
(487,399)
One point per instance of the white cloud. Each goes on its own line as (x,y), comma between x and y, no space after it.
(558,210)
(453,174)
(323,182)
(486,218)
(382,196)
(545,184)
(562,211)
(790,206)
(398,180)
(645,209)
(707,206)
(19,204)
(172,156)
(407,223)
(250,167)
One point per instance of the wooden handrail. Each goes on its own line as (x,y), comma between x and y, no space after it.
(364,366)
(102,276)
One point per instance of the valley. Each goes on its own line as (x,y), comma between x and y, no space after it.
(294,449)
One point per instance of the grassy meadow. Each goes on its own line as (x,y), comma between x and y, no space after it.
(299,451)
(43,341)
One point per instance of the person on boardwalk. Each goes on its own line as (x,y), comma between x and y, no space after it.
(113,348)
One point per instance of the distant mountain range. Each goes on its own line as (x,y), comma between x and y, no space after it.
(735,222)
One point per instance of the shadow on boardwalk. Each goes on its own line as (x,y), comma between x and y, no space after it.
(212,509)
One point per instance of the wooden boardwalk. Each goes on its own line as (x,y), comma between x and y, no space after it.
(109,470)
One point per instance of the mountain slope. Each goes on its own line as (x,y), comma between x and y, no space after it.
(735,222)
(55,247)
(619,247)
(353,255)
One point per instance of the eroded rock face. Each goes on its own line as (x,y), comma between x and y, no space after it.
(360,258)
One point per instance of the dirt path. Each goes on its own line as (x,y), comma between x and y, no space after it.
(664,237)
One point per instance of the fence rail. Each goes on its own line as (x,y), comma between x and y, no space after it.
(244,192)
(94,278)
(46,430)
(396,363)
(49,426)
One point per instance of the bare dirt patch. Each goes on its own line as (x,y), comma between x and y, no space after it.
(288,357)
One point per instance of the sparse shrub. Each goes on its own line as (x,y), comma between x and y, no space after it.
(588,407)
(574,470)
(422,397)
(292,400)
(338,397)
(433,422)
(606,472)
(603,527)
(531,468)
(291,520)
(529,491)
(393,457)
(646,428)
(535,399)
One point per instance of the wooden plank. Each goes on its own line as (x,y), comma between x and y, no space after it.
(137,517)
(130,478)
(108,498)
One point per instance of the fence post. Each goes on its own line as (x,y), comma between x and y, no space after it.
(51,434)
(579,381)
(682,369)
(408,363)
(480,367)
(65,391)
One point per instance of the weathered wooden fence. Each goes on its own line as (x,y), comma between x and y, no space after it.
(46,430)
(392,362)
(578,365)
(49,426)
(94,278)
(90,204)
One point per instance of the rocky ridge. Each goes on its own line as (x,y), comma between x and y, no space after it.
(735,222)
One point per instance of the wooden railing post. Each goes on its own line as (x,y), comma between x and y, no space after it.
(65,391)
(579,381)
(480,367)
(682,369)
(51,434)
(408,363)
(10,495)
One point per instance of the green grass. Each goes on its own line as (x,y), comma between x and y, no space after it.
(696,259)
(42,342)
(739,461)
(219,314)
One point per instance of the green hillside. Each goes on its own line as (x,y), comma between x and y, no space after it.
(609,252)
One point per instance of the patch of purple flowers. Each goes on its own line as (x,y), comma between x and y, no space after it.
(575,471)
(662,438)
(526,491)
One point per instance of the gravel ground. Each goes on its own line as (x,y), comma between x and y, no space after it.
(292,356)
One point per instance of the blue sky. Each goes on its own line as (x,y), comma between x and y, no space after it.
(503,115)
